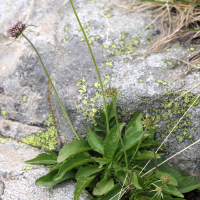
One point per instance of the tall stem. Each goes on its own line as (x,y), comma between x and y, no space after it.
(114,106)
(61,105)
(95,64)
(138,146)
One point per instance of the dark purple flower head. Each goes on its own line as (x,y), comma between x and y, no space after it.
(16,29)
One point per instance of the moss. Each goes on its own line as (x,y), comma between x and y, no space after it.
(3,113)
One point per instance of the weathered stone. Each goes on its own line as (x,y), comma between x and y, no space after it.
(147,83)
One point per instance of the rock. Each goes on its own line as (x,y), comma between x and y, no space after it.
(18,178)
(119,40)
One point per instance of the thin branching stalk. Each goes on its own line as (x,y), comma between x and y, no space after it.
(123,189)
(95,64)
(171,131)
(120,136)
(61,105)
(122,186)
(172,157)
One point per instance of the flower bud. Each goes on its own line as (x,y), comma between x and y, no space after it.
(16,29)
(148,123)
(165,179)
(13,35)
(111,92)
(159,189)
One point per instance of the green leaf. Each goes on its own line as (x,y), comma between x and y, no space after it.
(135,182)
(145,155)
(81,184)
(115,190)
(160,174)
(72,162)
(104,186)
(123,178)
(110,108)
(72,149)
(48,181)
(53,154)
(111,142)
(136,117)
(99,122)
(42,158)
(169,189)
(95,142)
(132,139)
(101,161)
(188,184)
(88,171)
(177,174)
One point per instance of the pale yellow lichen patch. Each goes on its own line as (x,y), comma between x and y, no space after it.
(180,138)
(97,85)
(106,8)
(83,80)
(109,63)
(3,113)
(27,168)
(3,140)
(135,42)
(24,98)
(108,15)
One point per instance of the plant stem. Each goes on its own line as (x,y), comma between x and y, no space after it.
(97,70)
(138,146)
(114,106)
(61,105)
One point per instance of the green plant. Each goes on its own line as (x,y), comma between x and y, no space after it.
(99,165)
(111,163)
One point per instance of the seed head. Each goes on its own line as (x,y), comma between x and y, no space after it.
(16,29)
(111,92)
(148,123)
(165,179)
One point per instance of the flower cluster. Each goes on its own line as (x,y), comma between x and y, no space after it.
(16,29)
(148,123)
(111,92)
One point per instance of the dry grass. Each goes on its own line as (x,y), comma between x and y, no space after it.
(176,18)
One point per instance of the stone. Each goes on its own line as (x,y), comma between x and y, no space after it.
(119,41)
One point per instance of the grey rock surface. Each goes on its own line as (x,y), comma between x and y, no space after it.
(119,40)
